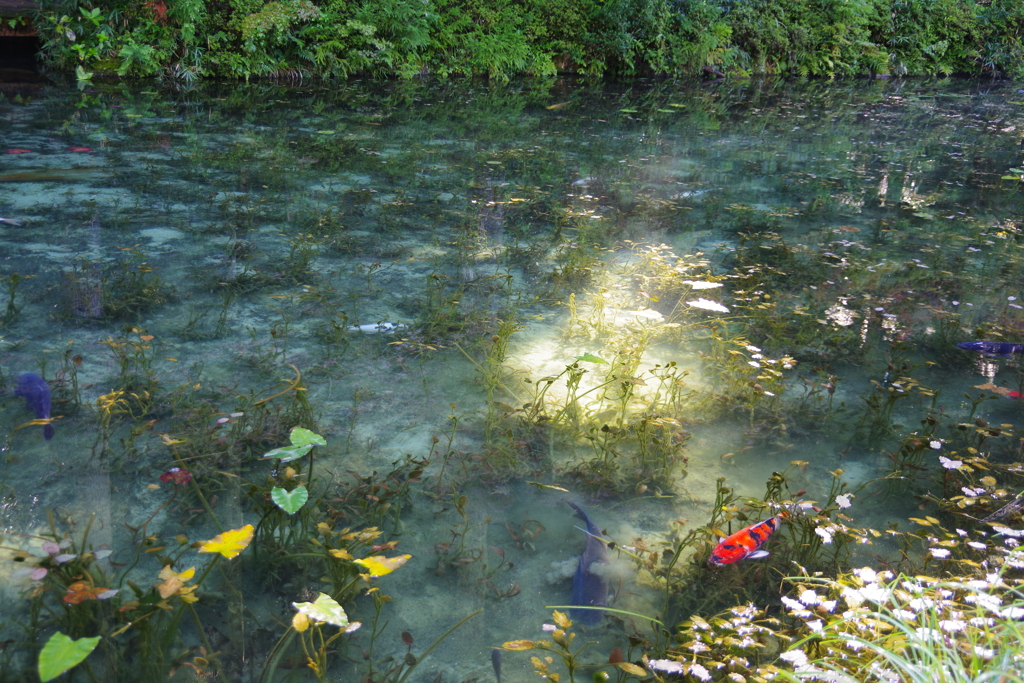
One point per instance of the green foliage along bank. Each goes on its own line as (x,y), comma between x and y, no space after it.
(191,39)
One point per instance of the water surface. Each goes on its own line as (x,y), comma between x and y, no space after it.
(719,280)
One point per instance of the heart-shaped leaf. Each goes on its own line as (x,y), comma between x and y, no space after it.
(301,436)
(289,501)
(229,543)
(61,653)
(288,453)
(325,609)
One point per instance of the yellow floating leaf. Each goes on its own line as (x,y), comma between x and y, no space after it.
(518,645)
(632,668)
(173,582)
(380,565)
(341,554)
(230,543)
(561,620)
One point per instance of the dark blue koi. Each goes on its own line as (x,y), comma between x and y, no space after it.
(988,348)
(589,588)
(496,663)
(36,393)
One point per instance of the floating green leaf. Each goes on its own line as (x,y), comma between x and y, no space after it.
(301,436)
(591,358)
(288,453)
(289,501)
(324,609)
(61,653)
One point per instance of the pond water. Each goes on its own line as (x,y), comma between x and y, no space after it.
(488,300)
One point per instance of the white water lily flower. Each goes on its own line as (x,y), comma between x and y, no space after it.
(952,625)
(936,445)
(875,593)
(708,305)
(843,501)
(866,574)
(809,597)
(950,464)
(940,553)
(698,671)
(797,658)
(826,535)
(904,614)
(667,665)
(796,608)
(853,597)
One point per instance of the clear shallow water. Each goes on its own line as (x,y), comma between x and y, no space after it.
(197,250)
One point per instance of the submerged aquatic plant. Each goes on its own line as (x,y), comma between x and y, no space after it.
(907,628)
(560,645)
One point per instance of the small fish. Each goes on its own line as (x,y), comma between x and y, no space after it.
(79,149)
(988,348)
(374,328)
(18,150)
(589,589)
(36,393)
(10,221)
(745,544)
(496,663)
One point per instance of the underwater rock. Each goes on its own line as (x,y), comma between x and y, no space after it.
(375,328)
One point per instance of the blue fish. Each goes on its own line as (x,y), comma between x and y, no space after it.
(496,663)
(36,393)
(988,348)
(589,589)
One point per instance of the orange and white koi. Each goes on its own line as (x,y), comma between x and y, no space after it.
(746,543)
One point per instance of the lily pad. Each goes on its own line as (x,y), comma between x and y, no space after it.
(324,609)
(301,436)
(289,501)
(62,653)
(288,453)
